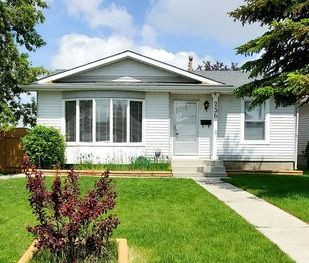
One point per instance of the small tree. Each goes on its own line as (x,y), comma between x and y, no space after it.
(45,146)
(70,227)
(18,37)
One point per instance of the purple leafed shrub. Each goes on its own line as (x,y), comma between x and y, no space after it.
(71,227)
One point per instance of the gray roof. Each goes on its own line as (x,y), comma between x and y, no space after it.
(53,72)
(232,78)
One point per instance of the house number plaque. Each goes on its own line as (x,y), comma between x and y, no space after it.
(215,109)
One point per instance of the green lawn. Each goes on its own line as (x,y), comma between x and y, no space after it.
(290,193)
(164,220)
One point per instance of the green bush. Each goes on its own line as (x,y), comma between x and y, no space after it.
(45,146)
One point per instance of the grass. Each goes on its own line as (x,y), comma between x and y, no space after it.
(290,193)
(14,217)
(306,172)
(164,220)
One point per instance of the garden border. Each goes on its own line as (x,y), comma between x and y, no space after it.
(123,252)
(264,172)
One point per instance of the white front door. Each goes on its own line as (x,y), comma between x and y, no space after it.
(185,128)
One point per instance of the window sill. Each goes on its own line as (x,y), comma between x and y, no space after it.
(99,144)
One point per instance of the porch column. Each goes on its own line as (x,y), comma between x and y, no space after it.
(214,153)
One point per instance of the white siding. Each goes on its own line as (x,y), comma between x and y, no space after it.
(303,128)
(103,154)
(158,130)
(204,132)
(157,123)
(127,68)
(49,108)
(281,145)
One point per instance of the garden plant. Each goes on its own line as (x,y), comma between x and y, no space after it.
(141,163)
(45,146)
(72,227)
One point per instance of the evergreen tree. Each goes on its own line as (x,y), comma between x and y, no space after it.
(218,66)
(281,71)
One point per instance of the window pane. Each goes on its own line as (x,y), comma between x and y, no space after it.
(136,118)
(70,120)
(120,120)
(85,120)
(102,120)
(254,130)
(255,114)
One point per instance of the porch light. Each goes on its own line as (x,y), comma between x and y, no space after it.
(157,153)
(206,105)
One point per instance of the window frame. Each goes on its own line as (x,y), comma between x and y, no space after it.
(93,118)
(127,117)
(129,114)
(63,121)
(266,121)
(111,137)
(95,121)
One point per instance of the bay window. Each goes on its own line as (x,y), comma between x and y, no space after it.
(254,127)
(104,120)
(120,120)
(70,120)
(85,120)
(136,117)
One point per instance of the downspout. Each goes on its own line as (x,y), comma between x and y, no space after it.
(296,138)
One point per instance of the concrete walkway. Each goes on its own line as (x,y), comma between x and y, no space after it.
(288,232)
(11,176)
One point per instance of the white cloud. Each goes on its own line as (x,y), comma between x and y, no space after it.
(97,14)
(148,35)
(201,18)
(77,49)
(179,59)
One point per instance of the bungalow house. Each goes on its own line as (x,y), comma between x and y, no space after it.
(128,105)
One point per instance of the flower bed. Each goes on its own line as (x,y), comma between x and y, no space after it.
(122,249)
(111,173)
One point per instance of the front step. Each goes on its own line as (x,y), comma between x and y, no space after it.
(198,168)
(197,174)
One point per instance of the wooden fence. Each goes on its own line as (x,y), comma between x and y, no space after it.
(11,150)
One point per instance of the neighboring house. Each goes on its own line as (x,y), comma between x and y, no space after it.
(129,105)
(303,133)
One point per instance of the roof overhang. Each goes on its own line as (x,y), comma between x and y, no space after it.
(125,55)
(142,87)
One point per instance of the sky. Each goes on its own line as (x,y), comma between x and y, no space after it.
(80,31)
